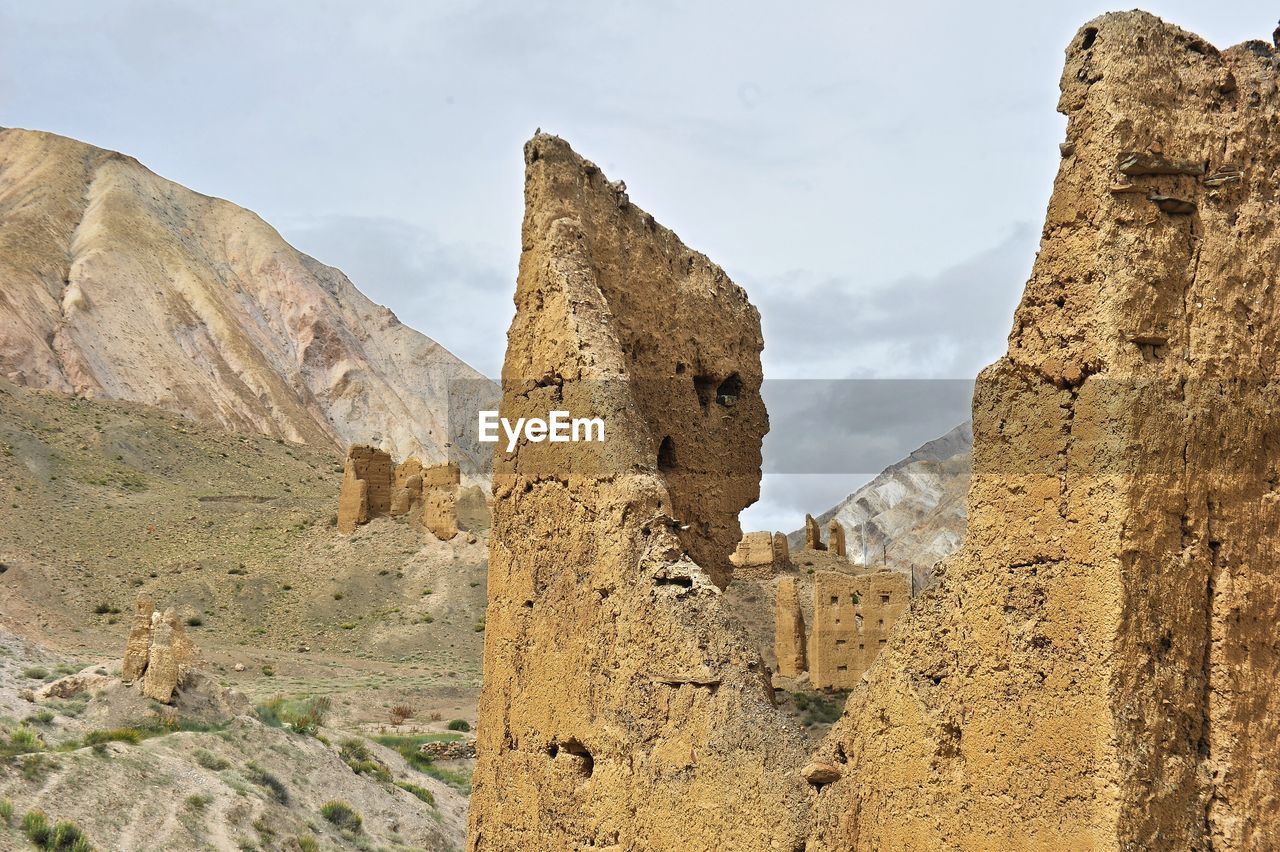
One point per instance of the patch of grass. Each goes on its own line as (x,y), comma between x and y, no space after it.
(106,609)
(408,746)
(307,843)
(263,778)
(211,761)
(458,725)
(421,792)
(43,716)
(820,709)
(342,815)
(35,825)
(302,715)
(269,671)
(6,811)
(62,836)
(362,762)
(36,673)
(22,740)
(198,801)
(132,736)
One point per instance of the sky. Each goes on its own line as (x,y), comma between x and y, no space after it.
(874,174)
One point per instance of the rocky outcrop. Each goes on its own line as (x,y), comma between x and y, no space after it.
(137,647)
(835,538)
(157,653)
(622,707)
(440,500)
(812,534)
(912,514)
(789,635)
(119,284)
(1096,667)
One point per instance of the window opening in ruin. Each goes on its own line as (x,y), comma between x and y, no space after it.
(667,454)
(835,599)
(729,391)
(884,599)
(705,387)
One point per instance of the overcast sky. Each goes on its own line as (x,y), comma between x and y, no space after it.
(874,174)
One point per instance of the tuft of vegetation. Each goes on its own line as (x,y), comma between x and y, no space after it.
(302,715)
(6,811)
(132,736)
(263,778)
(269,671)
(362,762)
(36,673)
(211,761)
(408,748)
(400,713)
(819,709)
(43,716)
(22,740)
(35,825)
(342,815)
(198,801)
(195,621)
(62,836)
(458,725)
(307,843)
(421,792)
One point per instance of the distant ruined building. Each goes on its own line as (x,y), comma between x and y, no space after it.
(760,555)
(157,653)
(372,485)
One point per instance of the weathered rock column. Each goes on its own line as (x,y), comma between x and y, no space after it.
(1097,668)
(620,708)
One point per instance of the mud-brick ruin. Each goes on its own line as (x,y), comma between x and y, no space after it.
(761,555)
(853,618)
(1094,669)
(157,655)
(373,485)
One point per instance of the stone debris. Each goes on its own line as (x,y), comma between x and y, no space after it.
(1224,175)
(464,749)
(820,774)
(1134,163)
(1169,204)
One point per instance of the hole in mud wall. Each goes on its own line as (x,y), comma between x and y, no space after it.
(1090,36)
(682,582)
(586,763)
(729,390)
(705,388)
(667,455)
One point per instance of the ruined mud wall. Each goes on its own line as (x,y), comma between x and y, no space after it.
(1096,669)
(619,708)
(789,641)
(853,618)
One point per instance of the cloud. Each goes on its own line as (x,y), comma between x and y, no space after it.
(447,291)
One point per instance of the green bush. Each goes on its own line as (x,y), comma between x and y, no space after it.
(209,760)
(342,815)
(132,736)
(362,762)
(35,672)
(43,716)
(307,843)
(421,792)
(22,740)
(458,725)
(199,801)
(6,811)
(67,838)
(35,825)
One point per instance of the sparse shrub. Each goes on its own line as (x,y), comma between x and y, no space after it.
(43,716)
(35,825)
(269,671)
(198,801)
(337,596)
(263,778)
(195,621)
(436,716)
(307,843)
(68,838)
(348,625)
(6,811)
(479,626)
(342,815)
(305,716)
(23,740)
(357,755)
(211,761)
(35,673)
(132,736)
(399,713)
(427,619)
(106,609)
(421,792)
(36,766)
(458,725)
